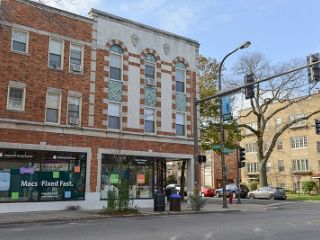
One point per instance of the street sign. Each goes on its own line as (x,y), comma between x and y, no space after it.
(227,151)
(216,147)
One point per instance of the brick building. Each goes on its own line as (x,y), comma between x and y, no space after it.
(88,104)
(295,157)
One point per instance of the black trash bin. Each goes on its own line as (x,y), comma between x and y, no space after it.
(175,203)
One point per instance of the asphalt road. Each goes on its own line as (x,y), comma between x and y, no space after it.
(291,221)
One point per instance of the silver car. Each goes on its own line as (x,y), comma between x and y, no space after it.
(268,192)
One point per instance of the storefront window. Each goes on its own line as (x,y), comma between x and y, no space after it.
(132,173)
(41,176)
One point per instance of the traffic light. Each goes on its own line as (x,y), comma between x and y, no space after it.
(242,157)
(317,125)
(249,91)
(202,159)
(314,70)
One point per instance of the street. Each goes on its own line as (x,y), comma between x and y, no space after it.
(289,221)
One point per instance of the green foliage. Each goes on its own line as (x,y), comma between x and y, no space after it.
(309,186)
(209,110)
(253,185)
(111,204)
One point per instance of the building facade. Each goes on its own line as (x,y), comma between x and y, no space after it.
(296,156)
(89,103)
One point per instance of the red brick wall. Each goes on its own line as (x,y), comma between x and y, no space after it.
(31,137)
(32,68)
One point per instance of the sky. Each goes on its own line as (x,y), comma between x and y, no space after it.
(280,29)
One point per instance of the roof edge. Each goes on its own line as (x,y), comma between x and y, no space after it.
(120,19)
(56,10)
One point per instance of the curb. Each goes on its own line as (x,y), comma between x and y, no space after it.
(64,219)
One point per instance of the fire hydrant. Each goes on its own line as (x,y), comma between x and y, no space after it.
(230,197)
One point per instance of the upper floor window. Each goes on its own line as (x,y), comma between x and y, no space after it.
(280,165)
(279,145)
(149,71)
(251,147)
(180,124)
(297,116)
(299,142)
(74,113)
(16,96)
(53,106)
(116,56)
(253,167)
(114,114)
(254,125)
(301,165)
(277,123)
(55,53)
(318,147)
(180,77)
(149,120)
(20,41)
(76,56)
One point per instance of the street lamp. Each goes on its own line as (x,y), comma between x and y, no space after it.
(196,102)
(223,170)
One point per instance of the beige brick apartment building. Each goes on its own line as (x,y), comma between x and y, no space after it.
(296,156)
(88,103)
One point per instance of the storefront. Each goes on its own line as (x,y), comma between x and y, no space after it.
(140,176)
(36,176)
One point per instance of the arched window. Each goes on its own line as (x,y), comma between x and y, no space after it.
(150,69)
(180,77)
(116,56)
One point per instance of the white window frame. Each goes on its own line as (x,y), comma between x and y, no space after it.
(27,43)
(19,85)
(281,166)
(121,69)
(185,77)
(62,53)
(254,125)
(82,57)
(153,64)
(251,147)
(154,119)
(277,123)
(279,145)
(120,113)
(253,167)
(184,120)
(57,92)
(78,95)
(300,123)
(299,142)
(301,165)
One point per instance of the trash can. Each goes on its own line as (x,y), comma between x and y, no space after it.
(175,203)
(159,202)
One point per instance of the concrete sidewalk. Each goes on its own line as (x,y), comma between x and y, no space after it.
(73,215)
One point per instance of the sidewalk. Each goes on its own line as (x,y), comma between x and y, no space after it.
(73,215)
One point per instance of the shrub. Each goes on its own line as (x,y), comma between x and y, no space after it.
(309,186)
(253,185)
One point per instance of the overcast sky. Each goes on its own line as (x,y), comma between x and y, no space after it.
(280,29)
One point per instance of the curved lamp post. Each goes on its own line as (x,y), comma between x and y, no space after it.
(222,140)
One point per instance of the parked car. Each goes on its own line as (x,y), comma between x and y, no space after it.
(207,192)
(268,192)
(233,188)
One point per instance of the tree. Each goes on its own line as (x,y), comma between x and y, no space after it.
(271,98)
(209,110)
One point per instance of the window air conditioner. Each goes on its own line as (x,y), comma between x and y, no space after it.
(73,120)
(150,82)
(75,67)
